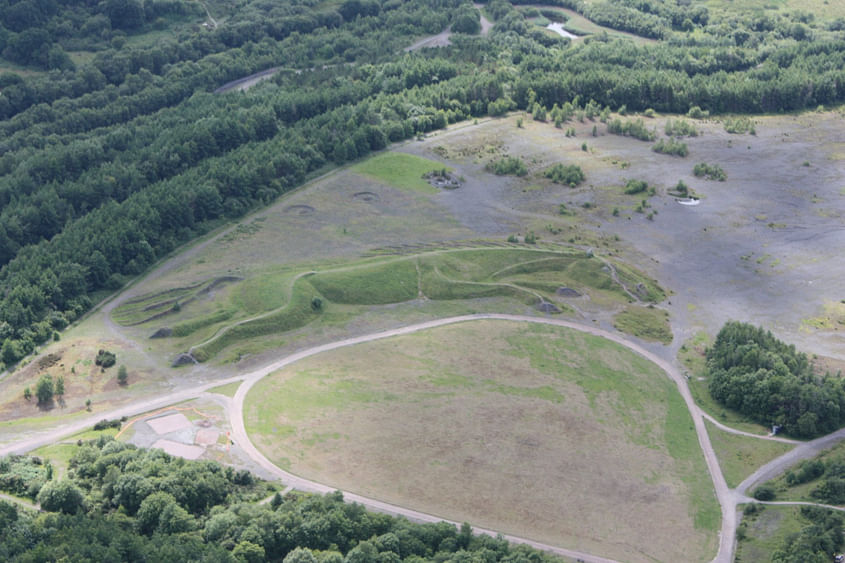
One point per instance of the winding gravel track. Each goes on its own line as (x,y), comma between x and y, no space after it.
(728,498)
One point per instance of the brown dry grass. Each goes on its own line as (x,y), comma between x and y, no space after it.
(476,423)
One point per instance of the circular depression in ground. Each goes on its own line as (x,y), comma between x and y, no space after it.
(299,210)
(539,431)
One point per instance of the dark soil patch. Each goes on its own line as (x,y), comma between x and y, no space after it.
(443,180)
(183,360)
(48,361)
(163,332)
(220,281)
(147,296)
(366,196)
(299,210)
(567,292)
(546,307)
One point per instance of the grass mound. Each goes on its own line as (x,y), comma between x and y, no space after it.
(645,322)
(378,284)
(400,170)
(553,420)
(297,313)
(528,275)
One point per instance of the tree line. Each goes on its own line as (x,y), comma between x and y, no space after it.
(107,167)
(772,383)
(121,503)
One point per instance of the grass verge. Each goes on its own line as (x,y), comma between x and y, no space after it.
(739,456)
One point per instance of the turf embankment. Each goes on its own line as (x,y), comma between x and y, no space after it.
(528,275)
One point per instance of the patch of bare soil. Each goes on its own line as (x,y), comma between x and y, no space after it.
(368,197)
(299,210)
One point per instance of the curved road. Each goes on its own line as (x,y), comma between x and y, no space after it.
(728,498)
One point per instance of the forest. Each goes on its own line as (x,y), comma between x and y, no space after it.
(109,163)
(120,503)
(767,380)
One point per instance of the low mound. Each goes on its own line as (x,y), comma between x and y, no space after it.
(535,430)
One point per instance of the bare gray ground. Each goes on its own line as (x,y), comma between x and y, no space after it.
(764,246)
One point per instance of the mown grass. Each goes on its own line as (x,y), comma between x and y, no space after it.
(508,378)
(297,313)
(457,274)
(392,282)
(227,390)
(739,456)
(400,170)
(644,322)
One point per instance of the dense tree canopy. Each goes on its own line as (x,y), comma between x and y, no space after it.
(107,166)
(119,503)
(762,377)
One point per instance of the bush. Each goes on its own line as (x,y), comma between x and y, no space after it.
(635,187)
(739,126)
(635,129)
(696,112)
(105,359)
(671,147)
(764,493)
(103,424)
(709,171)
(508,165)
(570,175)
(680,128)
(45,389)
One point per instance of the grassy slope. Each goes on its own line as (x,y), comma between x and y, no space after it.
(547,418)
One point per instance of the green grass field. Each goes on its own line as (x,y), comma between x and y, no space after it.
(528,429)
(276,301)
(400,170)
(766,530)
(740,456)
(644,322)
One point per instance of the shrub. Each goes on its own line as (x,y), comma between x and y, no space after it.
(671,147)
(635,187)
(680,128)
(103,424)
(636,129)
(44,390)
(709,171)
(696,112)
(508,165)
(122,376)
(570,175)
(105,359)
(764,493)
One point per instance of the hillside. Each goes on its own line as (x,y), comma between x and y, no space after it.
(120,153)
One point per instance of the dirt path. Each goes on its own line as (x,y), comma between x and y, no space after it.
(20,502)
(730,430)
(777,466)
(486,25)
(728,498)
